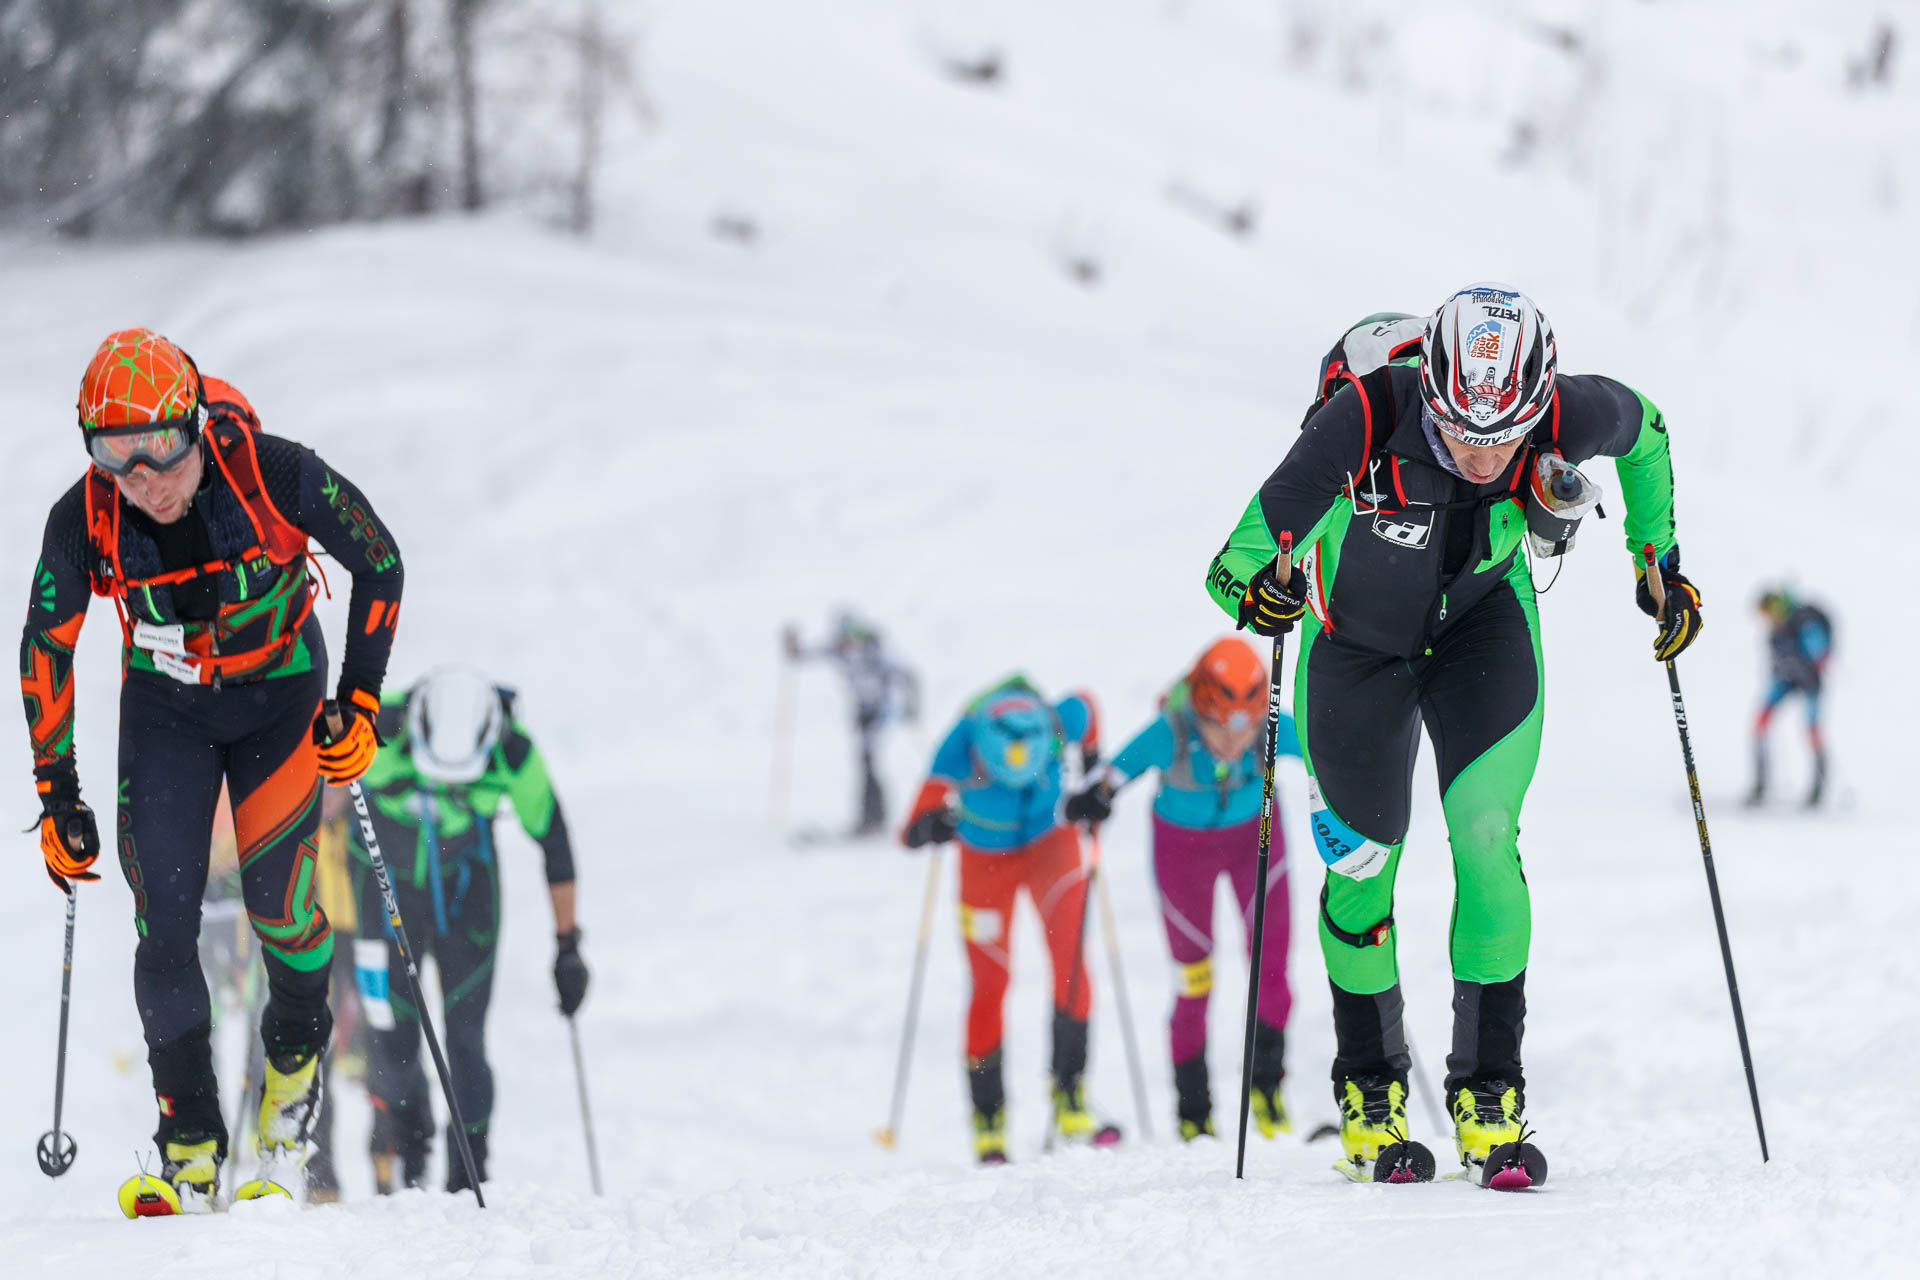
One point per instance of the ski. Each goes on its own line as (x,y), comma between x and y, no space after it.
(261,1187)
(1398,1163)
(1511,1166)
(145,1196)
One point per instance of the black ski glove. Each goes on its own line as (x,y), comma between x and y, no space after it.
(69,836)
(1095,804)
(1269,609)
(570,973)
(1681,624)
(935,826)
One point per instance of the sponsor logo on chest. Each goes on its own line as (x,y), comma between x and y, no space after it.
(1402,532)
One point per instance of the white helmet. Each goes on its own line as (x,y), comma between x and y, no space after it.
(454,719)
(1487,365)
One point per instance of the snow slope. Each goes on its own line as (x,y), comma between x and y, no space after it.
(615,467)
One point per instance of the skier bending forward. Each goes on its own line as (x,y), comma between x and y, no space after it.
(1405,499)
(196,524)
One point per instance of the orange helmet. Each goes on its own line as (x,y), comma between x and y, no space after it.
(1229,684)
(138,378)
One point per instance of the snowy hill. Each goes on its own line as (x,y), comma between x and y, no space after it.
(616,466)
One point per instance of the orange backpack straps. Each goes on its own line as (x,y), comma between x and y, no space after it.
(230,436)
(103,535)
(225,399)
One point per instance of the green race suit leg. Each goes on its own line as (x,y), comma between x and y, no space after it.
(1358,716)
(1483,700)
(1478,692)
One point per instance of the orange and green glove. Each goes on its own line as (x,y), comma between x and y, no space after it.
(345,733)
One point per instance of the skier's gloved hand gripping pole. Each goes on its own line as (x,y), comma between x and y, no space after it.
(338,729)
(1271,611)
(57,1148)
(1685,622)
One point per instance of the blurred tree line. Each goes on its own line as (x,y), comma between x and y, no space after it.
(239,116)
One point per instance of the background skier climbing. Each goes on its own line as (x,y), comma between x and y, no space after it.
(1799,647)
(882,691)
(995,787)
(455,752)
(1208,742)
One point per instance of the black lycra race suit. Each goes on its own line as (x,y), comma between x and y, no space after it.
(178,740)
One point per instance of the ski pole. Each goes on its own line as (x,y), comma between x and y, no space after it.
(1112,933)
(586,1112)
(57,1147)
(391,903)
(888,1136)
(1283,572)
(780,784)
(1658,589)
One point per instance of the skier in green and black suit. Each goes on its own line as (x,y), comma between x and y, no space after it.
(454,752)
(1404,503)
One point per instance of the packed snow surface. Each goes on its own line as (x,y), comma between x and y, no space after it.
(615,466)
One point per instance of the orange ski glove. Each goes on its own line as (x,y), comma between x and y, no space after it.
(69,837)
(344,732)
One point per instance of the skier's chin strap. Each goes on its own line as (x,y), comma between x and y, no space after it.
(1373,936)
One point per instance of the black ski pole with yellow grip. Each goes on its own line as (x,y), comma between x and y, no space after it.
(1283,572)
(1658,589)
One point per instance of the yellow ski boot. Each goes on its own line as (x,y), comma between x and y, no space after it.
(1074,1123)
(1373,1132)
(289,1101)
(1270,1111)
(990,1136)
(1491,1137)
(1484,1117)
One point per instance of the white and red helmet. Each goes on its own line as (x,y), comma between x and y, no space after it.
(1487,364)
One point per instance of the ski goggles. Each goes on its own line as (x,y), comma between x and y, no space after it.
(159,445)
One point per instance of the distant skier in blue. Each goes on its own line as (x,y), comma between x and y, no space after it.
(995,789)
(1800,640)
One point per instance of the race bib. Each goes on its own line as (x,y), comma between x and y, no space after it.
(1345,851)
(179,668)
(370,977)
(157,639)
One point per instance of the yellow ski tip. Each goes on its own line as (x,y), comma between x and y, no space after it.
(259,1189)
(884,1137)
(144,1196)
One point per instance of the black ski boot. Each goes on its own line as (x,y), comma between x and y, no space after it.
(457,1169)
(1195,1098)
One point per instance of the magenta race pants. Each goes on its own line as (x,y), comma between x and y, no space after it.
(1186,862)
